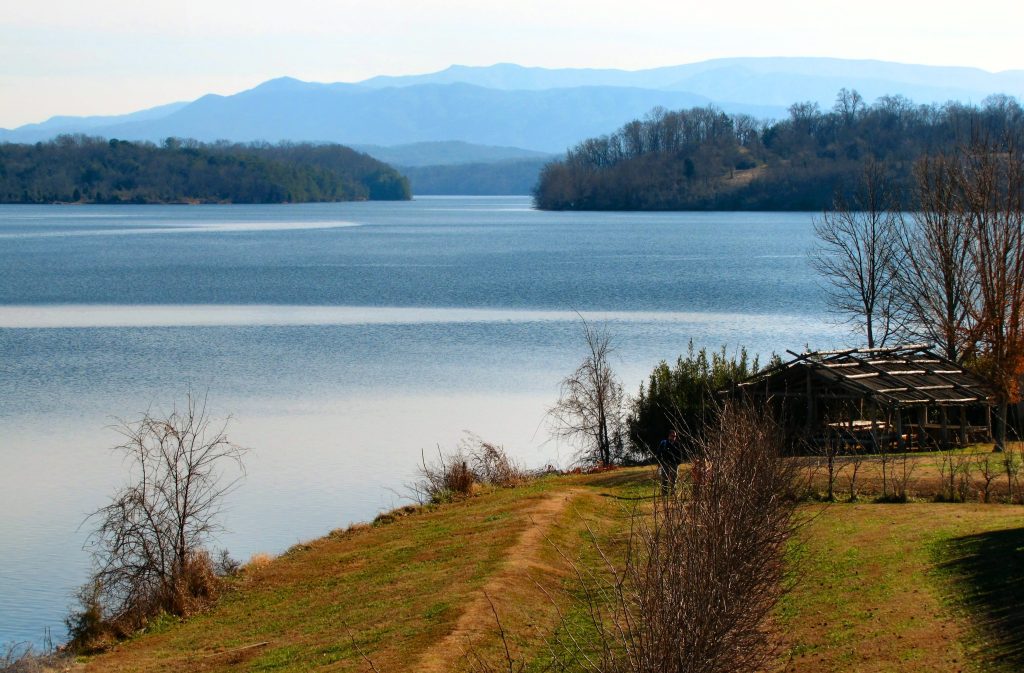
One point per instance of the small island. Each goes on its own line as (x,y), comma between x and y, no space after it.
(83,169)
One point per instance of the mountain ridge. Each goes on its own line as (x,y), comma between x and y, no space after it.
(544,121)
(534,109)
(510,75)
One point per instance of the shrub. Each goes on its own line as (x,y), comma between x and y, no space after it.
(258,561)
(88,629)
(227,565)
(705,572)
(682,397)
(455,474)
(440,481)
(491,465)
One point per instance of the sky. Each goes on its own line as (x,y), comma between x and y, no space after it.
(69,57)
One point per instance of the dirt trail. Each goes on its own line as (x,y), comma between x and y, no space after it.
(511,584)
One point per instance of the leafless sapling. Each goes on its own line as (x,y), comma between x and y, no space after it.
(148,546)
(989,470)
(589,407)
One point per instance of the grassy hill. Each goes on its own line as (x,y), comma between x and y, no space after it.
(923,586)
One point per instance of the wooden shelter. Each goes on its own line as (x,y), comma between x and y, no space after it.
(904,396)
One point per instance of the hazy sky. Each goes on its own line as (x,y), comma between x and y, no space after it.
(115,56)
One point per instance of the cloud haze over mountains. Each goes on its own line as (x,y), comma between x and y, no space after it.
(538,109)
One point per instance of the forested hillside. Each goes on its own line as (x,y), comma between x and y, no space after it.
(704,159)
(80,169)
(518,176)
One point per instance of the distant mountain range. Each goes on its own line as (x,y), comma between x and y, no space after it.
(539,110)
(546,120)
(759,82)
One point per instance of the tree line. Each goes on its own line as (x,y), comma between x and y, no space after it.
(82,169)
(705,159)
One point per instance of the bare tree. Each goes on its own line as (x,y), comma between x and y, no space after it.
(963,276)
(849,105)
(148,545)
(589,407)
(991,180)
(857,251)
(936,283)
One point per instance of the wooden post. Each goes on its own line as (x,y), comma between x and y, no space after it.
(988,423)
(945,428)
(810,403)
(899,430)
(963,427)
(922,420)
(874,427)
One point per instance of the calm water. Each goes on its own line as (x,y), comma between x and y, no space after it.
(343,339)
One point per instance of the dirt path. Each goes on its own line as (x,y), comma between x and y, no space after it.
(513,584)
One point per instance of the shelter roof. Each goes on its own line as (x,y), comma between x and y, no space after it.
(899,375)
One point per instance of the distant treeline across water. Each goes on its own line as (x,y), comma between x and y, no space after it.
(704,159)
(81,169)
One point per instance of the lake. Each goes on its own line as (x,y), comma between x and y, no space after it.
(343,340)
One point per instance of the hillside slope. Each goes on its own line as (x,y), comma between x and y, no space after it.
(879,587)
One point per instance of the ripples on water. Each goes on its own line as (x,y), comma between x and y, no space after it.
(341,351)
